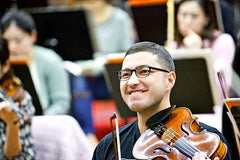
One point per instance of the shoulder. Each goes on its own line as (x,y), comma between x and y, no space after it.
(224,44)
(212,129)
(127,127)
(46,54)
(209,128)
(122,131)
(104,149)
(224,38)
(120,13)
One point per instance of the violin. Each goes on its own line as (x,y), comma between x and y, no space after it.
(179,136)
(11,86)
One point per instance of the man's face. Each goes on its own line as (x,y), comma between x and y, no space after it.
(19,42)
(142,94)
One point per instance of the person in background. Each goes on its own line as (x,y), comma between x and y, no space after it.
(113,26)
(195,29)
(50,78)
(144,64)
(114,33)
(15,124)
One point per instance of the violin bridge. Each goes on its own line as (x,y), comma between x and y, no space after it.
(170,136)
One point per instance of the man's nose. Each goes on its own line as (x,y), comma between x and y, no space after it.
(133,78)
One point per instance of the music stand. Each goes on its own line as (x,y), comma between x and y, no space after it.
(195,85)
(233,106)
(150,20)
(22,71)
(67,30)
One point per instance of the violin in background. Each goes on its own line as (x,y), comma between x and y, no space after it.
(11,86)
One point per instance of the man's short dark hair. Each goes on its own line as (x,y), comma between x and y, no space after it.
(163,55)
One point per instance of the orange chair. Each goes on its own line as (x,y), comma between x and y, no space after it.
(146,2)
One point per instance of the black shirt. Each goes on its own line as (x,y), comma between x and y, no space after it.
(129,134)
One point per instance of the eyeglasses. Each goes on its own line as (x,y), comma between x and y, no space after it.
(141,72)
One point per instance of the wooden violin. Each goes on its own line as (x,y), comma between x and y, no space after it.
(178,137)
(12,87)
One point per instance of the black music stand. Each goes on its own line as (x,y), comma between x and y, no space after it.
(22,71)
(66,30)
(150,22)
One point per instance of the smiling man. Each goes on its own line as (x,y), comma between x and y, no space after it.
(146,80)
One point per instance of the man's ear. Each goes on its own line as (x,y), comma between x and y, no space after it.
(171,80)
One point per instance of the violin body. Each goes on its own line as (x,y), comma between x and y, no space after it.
(182,137)
(12,86)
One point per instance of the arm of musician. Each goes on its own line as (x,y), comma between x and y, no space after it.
(200,156)
(12,144)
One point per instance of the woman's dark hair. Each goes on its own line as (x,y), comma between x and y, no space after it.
(4,53)
(4,56)
(209,10)
(20,18)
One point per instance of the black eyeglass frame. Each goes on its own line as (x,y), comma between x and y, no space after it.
(142,66)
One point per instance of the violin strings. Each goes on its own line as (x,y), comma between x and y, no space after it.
(184,146)
(181,143)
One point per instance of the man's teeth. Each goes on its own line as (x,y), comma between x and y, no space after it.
(136,92)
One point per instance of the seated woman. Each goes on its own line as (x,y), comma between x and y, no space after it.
(51,83)
(196,28)
(114,33)
(16,112)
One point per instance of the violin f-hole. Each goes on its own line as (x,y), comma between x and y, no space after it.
(184,129)
(161,149)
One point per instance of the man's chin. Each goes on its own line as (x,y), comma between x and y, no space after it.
(135,107)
